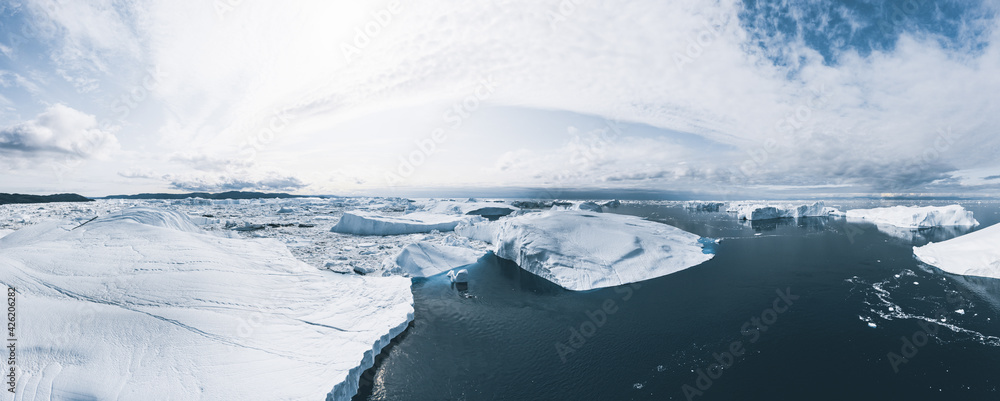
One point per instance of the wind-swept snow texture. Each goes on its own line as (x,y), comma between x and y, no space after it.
(585,250)
(974,254)
(916,217)
(143,305)
(367,223)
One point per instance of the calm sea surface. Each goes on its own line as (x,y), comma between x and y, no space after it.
(807,309)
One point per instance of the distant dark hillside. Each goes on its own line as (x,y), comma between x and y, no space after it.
(205,195)
(21,198)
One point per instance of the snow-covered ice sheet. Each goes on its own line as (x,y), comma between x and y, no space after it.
(143,304)
(916,217)
(585,250)
(973,254)
(368,223)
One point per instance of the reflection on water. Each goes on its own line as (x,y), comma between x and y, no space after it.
(924,235)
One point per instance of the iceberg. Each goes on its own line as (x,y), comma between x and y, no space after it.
(916,217)
(973,254)
(425,259)
(485,209)
(767,212)
(142,304)
(585,250)
(702,206)
(459,277)
(588,206)
(368,223)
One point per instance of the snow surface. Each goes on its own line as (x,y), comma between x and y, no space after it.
(973,254)
(143,304)
(368,223)
(4,232)
(916,217)
(584,250)
(425,259)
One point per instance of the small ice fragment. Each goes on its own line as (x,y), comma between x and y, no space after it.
(756,234)
(897,276)
(366,244)
(460,276)
(916,283)
(638,386)
(872,325)
(960,311)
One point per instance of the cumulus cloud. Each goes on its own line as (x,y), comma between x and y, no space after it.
(60,131)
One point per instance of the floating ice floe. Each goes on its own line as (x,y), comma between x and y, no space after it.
(585,250)
(368,223)
(767,212)
(973,254)
(916,217)
(144,305)
(459,276)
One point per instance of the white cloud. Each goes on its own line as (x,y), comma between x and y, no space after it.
(61,131)
(273,76)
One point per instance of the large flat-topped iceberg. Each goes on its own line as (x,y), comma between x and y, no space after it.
(585,250)
(974,254)
(142,305)
(916,217)
(767,212)
(368,223)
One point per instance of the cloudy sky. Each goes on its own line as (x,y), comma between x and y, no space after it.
(337,97)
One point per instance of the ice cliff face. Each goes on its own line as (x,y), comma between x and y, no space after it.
(143,305)
(767,212)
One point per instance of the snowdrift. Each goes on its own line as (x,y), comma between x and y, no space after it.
(142,305)
(368,223)
(916,217)
(585,250)
(974,254)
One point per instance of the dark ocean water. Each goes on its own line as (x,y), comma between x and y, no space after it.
(814,307)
